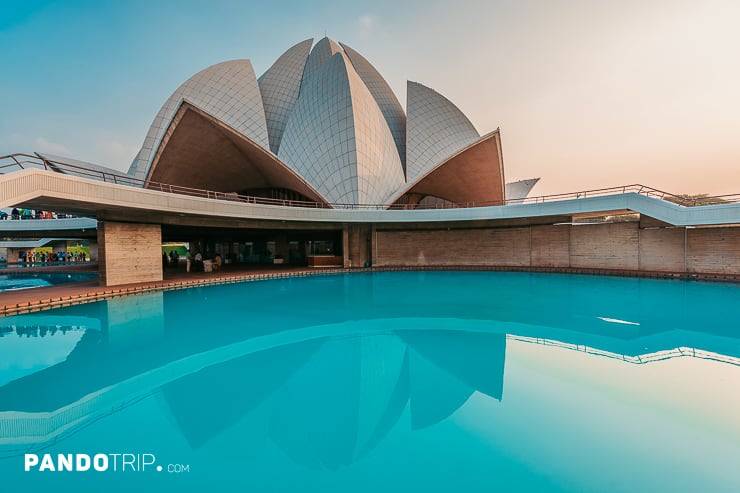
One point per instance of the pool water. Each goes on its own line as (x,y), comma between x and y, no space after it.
(431,381)
(29,280)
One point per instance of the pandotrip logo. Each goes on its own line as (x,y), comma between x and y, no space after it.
(86,463)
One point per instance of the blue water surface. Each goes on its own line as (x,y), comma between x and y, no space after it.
(27,280)
(430,381)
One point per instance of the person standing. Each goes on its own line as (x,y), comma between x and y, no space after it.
(188,259)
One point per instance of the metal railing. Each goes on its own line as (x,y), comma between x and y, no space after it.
(640,359)
(14,162)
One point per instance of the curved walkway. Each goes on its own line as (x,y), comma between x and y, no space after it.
(58,191)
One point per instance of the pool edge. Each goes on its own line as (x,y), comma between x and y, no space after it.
(101,293)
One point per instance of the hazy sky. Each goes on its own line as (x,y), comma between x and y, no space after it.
(587,93)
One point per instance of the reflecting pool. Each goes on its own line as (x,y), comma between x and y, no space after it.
(407,381)
(28,280)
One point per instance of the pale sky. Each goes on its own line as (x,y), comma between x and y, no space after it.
(587,94)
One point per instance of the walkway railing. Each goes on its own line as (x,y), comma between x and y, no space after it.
(15,162)
(639,359)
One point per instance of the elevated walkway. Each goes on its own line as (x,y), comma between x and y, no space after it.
(678,235)
(29,244)
(51,229)
(87,197)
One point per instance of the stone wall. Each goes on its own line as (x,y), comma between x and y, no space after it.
(663,249)
(550,246)
(503,246)
(715,250)
(129,253)
(356,239)
(614,246)
(604,246)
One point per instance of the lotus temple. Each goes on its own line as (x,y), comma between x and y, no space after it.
(320,125)
(151,376)
(317,163)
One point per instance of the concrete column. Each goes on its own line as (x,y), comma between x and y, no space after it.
(357,239)
(129,253)
(364,247)
(345,247)
(374,244)
(93,250)
(59,247)
(282,247)
(14,254)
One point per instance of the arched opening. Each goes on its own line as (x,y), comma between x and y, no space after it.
(473,176)
(200,152)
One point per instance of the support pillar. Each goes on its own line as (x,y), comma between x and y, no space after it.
(129,253)
(357,243)
(59,247)
(347,259)
(93,244)
(282,248)
(374,244)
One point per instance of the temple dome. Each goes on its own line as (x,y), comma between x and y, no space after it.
(321,124)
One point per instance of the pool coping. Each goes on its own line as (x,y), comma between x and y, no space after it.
(67,267)
(99,293)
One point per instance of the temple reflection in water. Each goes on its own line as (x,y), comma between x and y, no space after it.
(331,384)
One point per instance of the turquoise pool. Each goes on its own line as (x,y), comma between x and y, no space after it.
(28,280)
(430,381)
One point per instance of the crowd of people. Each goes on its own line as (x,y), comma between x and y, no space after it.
(172,259)
(17,214)
(33,257)
(192,263)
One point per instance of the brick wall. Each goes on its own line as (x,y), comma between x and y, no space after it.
(663,249)
(715,250)
(604,246)
(505,246)
(129,253)
(617,246)
(551,246)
